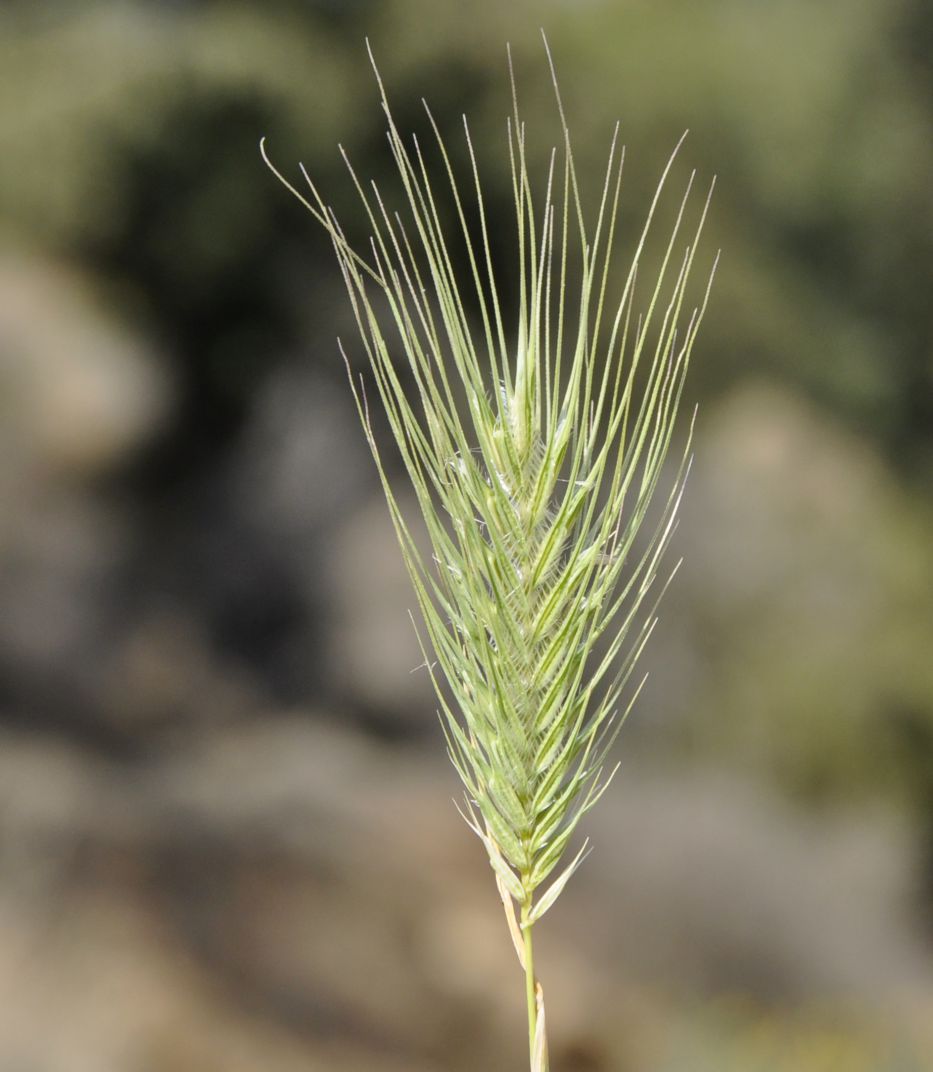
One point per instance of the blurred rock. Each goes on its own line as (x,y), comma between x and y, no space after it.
(303,463)
(300,470)
(799,625)
(721,885)
(375,655)
(79,390)
(81,394)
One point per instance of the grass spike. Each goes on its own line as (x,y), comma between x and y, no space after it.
(535,443)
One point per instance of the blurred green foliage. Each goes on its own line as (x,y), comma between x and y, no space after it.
(818,119)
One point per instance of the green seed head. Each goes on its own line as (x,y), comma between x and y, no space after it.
(535,442)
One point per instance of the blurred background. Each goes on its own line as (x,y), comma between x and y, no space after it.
(226,835)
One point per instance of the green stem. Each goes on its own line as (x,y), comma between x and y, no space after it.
(530,995)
